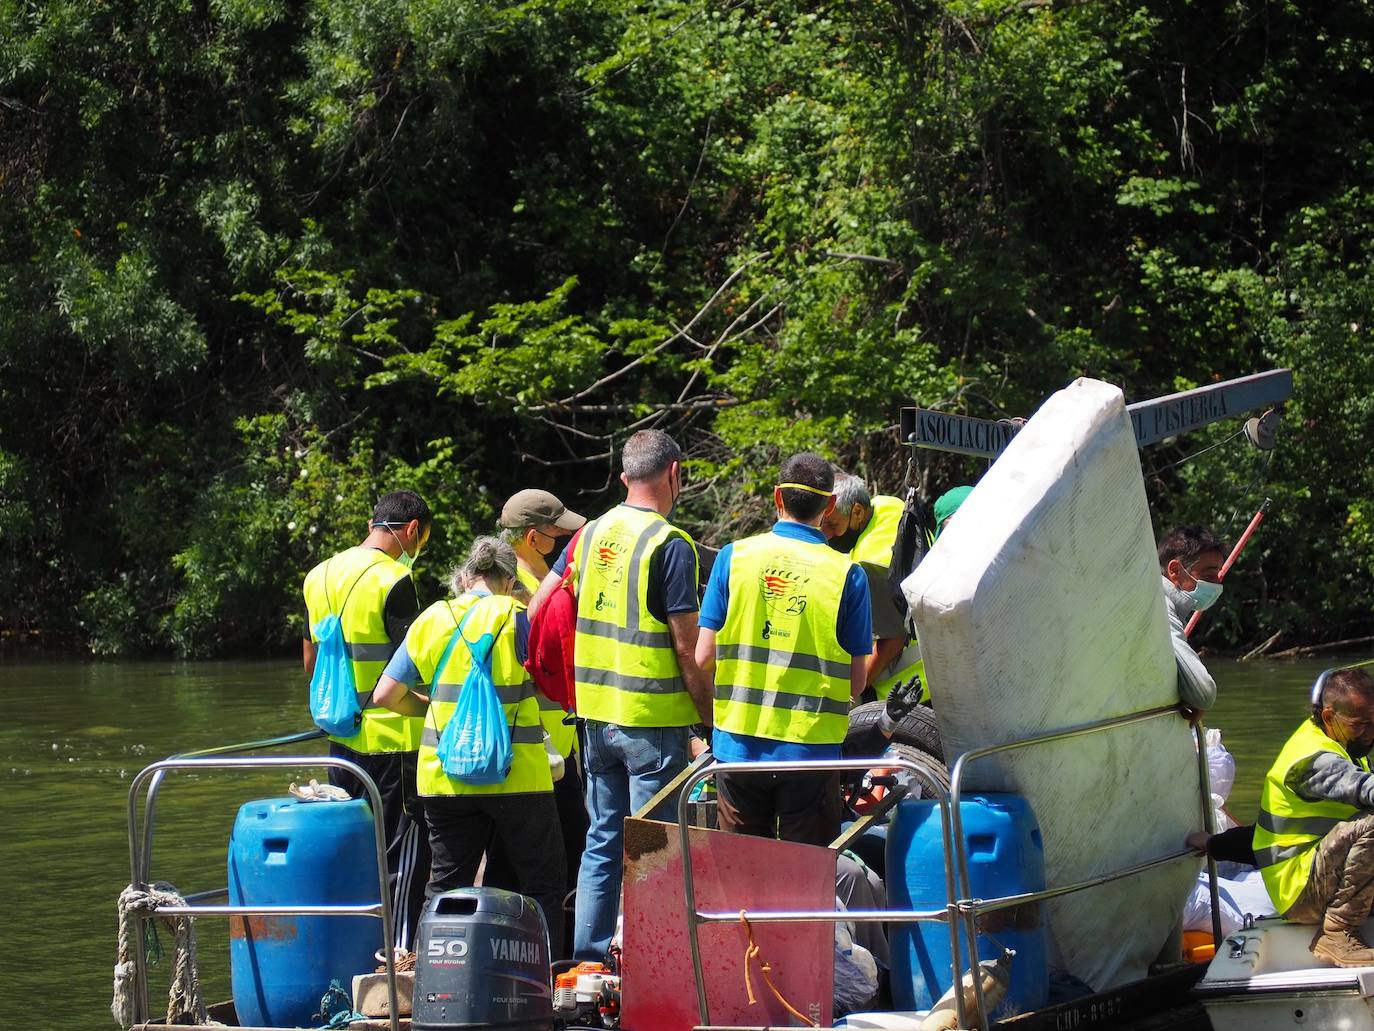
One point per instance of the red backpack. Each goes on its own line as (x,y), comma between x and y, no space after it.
(550,653)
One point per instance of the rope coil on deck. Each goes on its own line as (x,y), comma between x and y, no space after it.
(185,1000)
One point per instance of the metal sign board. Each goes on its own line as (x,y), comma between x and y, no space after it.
(1176,414)
(1157,419)
(962,434)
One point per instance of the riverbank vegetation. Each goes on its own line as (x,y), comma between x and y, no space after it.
(265,259)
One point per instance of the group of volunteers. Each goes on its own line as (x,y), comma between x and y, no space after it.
(763,666)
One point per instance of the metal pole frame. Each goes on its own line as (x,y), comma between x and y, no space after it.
(695,917)
(971,908)
(140,875)
(1209,824)
(138,866)
(150,806)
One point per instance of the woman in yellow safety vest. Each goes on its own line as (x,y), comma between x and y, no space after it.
(519,810)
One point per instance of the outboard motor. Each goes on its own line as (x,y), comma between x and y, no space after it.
(482,960)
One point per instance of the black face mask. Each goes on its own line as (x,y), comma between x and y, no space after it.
(556,549)
(845,542)
(1359,749)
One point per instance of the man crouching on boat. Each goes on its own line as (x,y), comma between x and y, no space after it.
(1314,840)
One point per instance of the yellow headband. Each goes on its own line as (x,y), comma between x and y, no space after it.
(808,489)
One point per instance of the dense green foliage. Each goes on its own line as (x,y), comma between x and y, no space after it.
(264,259)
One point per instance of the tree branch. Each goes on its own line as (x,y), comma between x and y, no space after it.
(619,409)
(610,377)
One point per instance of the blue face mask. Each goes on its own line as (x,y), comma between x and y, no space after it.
(406,559)
(1204,593)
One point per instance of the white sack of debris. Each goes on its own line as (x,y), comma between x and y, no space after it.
(1039,608)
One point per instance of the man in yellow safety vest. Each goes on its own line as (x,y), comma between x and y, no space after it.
(864,528)
(638,685)
(1314,839)
(786,626)
(370,589)
(538,526)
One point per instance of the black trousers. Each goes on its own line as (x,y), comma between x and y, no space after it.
(403,826)
(801,807)
(526,825)
(572,822)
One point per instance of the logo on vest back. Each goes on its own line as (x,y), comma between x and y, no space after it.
(784,591)
(606,566)
(606,562)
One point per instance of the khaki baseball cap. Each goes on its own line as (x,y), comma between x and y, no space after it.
(533,507)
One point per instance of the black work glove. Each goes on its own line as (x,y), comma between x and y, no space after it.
(905,696)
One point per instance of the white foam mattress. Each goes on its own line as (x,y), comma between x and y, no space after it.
(1039,608)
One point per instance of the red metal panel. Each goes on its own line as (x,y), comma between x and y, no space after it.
(732,872)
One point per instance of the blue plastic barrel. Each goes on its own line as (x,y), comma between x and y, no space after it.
(1005,857)
(286,852)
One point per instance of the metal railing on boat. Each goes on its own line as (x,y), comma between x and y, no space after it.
(223,758)
(961,907)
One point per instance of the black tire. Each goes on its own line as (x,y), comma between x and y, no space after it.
(917,729)
(917,735)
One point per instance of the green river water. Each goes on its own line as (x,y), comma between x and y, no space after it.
(79,731)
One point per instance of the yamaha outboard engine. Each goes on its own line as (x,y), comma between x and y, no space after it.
(482,960)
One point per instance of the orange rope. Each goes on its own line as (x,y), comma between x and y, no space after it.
(751,952)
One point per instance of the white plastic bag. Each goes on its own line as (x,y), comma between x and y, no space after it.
(1221,765)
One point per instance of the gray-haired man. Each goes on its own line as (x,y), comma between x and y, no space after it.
(638,683)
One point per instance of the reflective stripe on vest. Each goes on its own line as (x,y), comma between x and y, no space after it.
(874,546)
(1289,827)
(780,670)
(519,735)
(563,736)
(430,634)
(363,621)
(754,653)
(626,671)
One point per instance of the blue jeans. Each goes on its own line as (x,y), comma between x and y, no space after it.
(625,767)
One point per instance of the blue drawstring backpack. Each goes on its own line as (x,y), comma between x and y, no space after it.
(333,691)
(475,746)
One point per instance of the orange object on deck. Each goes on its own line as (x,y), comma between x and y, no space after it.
(1198,946)
(568,979)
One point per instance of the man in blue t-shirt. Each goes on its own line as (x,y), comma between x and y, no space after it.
(802,711)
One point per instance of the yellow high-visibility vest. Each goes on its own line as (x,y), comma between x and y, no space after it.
(874,546)
(1289,827)
(526,579)
(781,672)
(429,635)
(907,664)
(358,581)
(626,671)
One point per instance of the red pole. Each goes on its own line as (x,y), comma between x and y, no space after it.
(1231,558)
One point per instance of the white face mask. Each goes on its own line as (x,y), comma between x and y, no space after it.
(1204,593)
(406,559)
